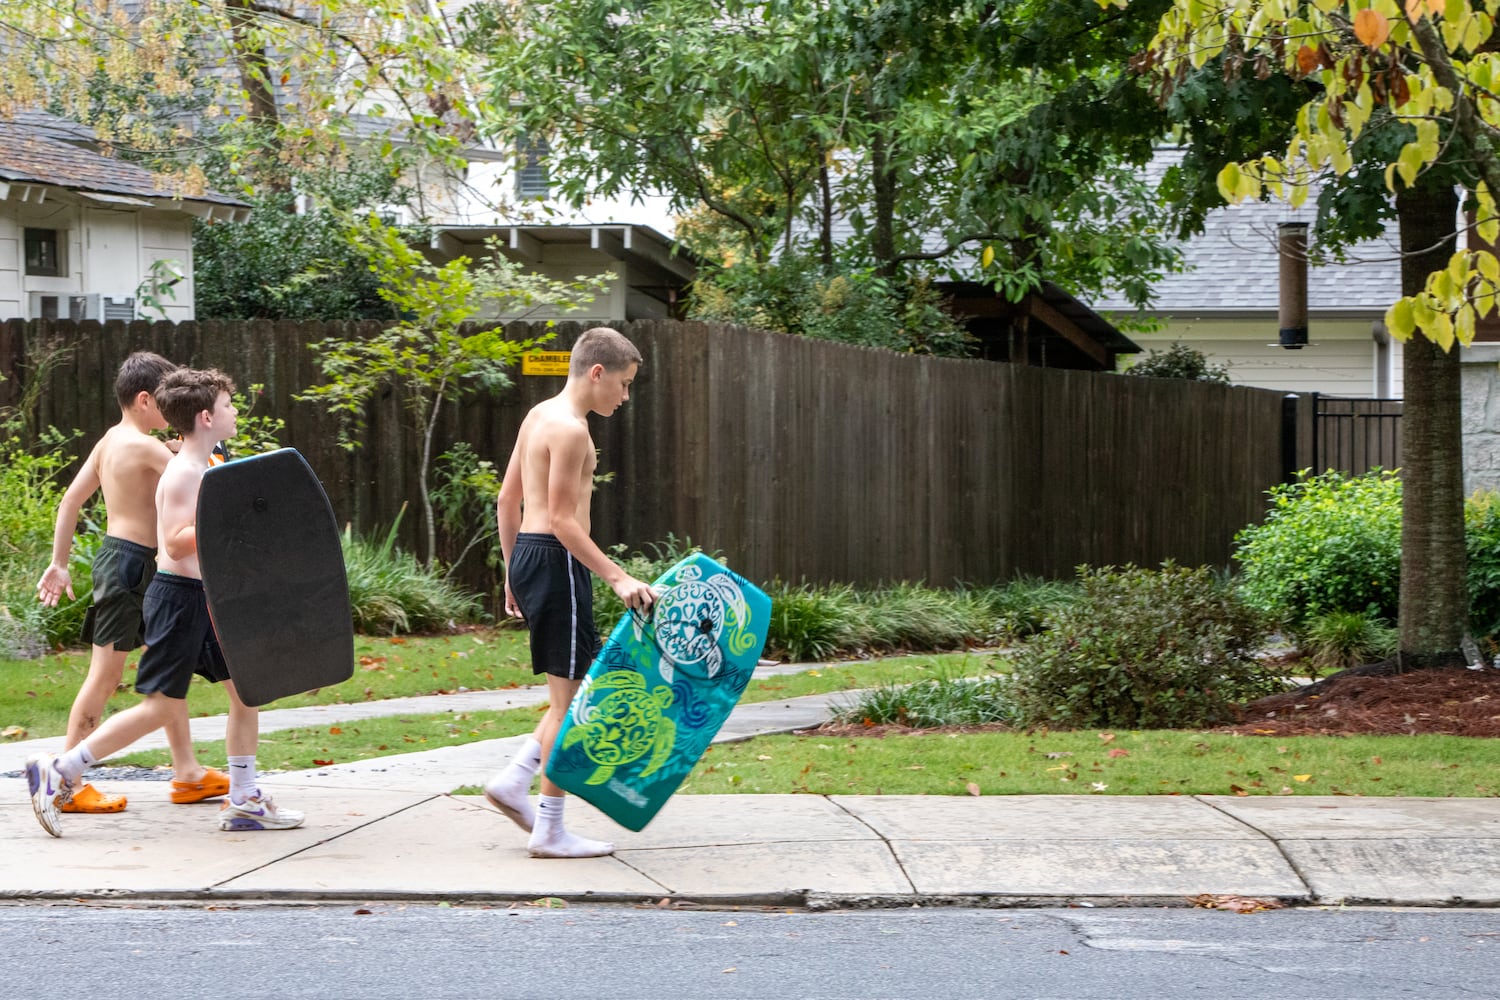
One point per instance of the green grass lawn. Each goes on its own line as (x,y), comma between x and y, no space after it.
(35,695)
(1149,762)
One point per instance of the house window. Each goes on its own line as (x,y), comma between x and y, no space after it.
(44,252)
(531,168)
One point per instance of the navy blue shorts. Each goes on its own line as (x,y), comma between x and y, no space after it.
(556,597)
(180,639)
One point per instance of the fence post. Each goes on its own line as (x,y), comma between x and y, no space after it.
(1289,437)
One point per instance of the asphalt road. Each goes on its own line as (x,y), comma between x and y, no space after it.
(425,951)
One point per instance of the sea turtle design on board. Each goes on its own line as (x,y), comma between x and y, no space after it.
(623,724)
(689,620)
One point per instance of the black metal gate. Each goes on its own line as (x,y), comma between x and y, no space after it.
(1353,436)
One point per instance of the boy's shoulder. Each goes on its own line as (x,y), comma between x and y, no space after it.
(131,444)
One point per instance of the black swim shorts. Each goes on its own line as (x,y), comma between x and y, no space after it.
(180,639)
(122,571)
(555,595)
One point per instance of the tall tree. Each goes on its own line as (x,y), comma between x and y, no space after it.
(263,90)
(879,133)
(1398,95)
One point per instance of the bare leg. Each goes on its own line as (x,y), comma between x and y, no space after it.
(185,765)
(242,728)
(560,692)
(106,667)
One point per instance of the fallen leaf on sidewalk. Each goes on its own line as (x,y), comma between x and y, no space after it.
(1234,904)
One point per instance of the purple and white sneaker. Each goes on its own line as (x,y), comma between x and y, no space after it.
(46,783)
(258,813)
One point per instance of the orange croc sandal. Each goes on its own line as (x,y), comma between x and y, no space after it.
(88,799)
(211,786)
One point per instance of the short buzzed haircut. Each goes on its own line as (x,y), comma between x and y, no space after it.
(141,372)
(187,392)
(602,346)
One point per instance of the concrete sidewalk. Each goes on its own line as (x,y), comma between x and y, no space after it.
(389,829)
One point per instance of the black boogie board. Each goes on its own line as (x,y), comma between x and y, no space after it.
(273,572)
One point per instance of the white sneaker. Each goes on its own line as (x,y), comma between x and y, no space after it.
(258,813)
(46,783)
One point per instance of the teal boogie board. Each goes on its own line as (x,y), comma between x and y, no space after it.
(659,690)
(273,573)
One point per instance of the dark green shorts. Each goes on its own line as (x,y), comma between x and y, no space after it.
(122,572)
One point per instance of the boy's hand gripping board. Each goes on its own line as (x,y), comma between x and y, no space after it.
(659,690)
(273,573)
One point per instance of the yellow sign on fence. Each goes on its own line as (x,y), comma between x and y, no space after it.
(545,363)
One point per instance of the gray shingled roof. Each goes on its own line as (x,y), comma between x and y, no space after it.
(1233,266)
(41,149)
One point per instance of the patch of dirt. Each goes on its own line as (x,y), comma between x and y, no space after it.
(1452,701)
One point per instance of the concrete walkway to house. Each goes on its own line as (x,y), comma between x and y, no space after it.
(389,828)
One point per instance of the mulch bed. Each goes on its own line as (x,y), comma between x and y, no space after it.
(1452,701)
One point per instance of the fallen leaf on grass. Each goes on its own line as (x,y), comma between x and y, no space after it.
(322,763)
(1116,752)
(13,732)
(973,788)
(1301,777)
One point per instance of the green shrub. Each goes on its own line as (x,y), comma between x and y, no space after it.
(1482,539)
(1020,608)
(391,592)
(1337,640)
(943,701)
(813,623)
(1143,649)
(1181,362)
(1329,543)
(911,617)
(31,485)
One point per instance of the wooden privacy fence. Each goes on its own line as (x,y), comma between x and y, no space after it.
(798,459)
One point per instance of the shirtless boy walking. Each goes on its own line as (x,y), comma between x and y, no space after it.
(179,636)
(543,511)
(125,465)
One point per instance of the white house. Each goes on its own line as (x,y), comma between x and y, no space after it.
(80,231)
(1226,304)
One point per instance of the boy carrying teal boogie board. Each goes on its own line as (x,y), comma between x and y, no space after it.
(659,690)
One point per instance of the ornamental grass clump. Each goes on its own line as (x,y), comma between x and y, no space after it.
(1165,649)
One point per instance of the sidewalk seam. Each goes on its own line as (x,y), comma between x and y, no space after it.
(890,847)
(327,840)
(1290,863)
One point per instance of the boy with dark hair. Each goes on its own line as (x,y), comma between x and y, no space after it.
(543,511)
(125,465)
(179,637)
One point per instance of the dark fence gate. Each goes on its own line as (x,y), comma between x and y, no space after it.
(1354,436)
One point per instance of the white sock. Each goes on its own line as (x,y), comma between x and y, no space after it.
(549,810)
(242,785)
(72,763)
(550,840)
(529,757)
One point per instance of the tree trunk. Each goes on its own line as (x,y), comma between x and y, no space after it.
(883,185)
(1434,605)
